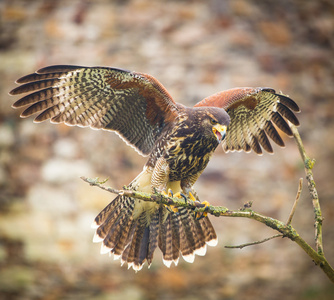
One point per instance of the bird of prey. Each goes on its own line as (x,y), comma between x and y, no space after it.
(177,140)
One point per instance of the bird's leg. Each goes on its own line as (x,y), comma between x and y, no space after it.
(159,181)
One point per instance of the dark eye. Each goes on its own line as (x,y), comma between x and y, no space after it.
(213,121)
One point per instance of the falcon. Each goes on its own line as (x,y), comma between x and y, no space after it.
(178,141)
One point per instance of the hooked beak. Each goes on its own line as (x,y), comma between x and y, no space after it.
(219,131)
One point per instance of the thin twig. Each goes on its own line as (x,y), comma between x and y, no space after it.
(254,243)
(300,186)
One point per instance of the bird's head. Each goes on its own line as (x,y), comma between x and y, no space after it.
(214,122)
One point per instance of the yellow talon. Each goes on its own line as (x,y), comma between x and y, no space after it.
(204,214)
(169,193)
(178,195)
(171,208)
(206,203)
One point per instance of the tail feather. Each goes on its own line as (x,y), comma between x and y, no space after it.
(191,242)
(125,253)
(138,246)
(126,236)
(108,217)
(115,220)
(209,232)
(128,253)
(142,248)
(201,250)
(114,236)
(165,236)
(105,213)
(185,248)
(200,240)
(134,236)
(154,233)
(176,224)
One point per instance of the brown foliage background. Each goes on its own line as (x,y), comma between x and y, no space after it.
(195,48)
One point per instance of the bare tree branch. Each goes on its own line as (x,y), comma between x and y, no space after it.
(284,229)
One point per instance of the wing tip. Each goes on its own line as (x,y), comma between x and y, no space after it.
(15,91)
(286,100)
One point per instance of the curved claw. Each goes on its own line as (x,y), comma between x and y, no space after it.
(170,208)
(183,196)
(170,193)
(199,215)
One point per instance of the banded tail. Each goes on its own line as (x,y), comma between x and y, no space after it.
(132,229)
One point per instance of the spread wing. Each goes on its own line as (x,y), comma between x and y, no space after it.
(253,112)
(134,105)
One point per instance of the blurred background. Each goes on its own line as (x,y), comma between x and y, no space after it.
(195,48)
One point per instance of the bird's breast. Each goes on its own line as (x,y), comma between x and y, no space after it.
(187,156)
